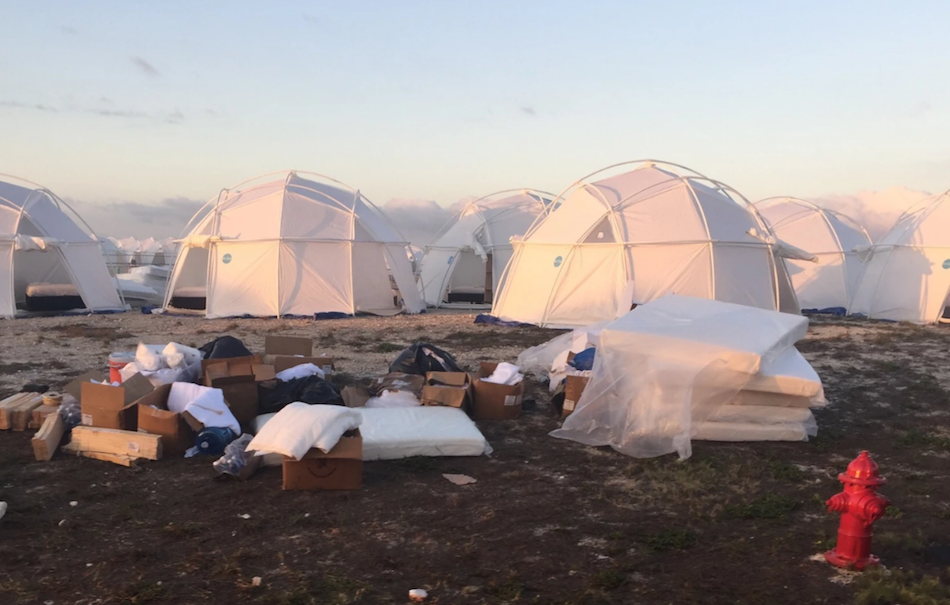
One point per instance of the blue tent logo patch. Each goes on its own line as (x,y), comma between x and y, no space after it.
(946,264)
(226,259)
(452,258)
(558,261)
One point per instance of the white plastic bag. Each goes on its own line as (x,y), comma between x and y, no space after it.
(149,357)
(179,356)
(299,426)
(300,371)
(505,373)
(393,399)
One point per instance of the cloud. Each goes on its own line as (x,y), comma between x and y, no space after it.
(876,211)
(145,67)
(166,218)
(418,220)
(117,113)
(529,111)
(20,105)
(70,31)
(310,18)
(175,117)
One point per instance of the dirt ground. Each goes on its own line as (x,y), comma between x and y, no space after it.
(548,521)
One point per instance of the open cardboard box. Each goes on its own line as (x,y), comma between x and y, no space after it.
(106,406)
(450,389)
(495,401)
(237,378)
(285,352)
(177,430)
(340,468)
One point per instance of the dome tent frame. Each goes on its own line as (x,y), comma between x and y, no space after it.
(760,237)
(827,301)
(366,226)
(915,299)
(61,232)
(485,217)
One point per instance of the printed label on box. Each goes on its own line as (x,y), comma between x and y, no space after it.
(133,447)
(569,405)
(87,419)
(512,400)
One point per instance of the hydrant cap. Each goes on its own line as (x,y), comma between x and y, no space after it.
(862,471)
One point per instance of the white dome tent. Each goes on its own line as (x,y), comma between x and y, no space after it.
(291,246)
(823,286)
(50,260)
(463,265)
(627,239)
(906,274)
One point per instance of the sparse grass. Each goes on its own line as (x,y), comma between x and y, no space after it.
(104,334)
(918,439)
(770,506)
(785,472)
(389,347)
(508,591)
(672,539)
(183,530)
(141,592)
(893,512)
(893,587)
(231,327)
(419,464)
(908,542)
(608,579)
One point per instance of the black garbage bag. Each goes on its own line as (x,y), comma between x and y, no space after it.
(422,357)
(310,389)
(224,347)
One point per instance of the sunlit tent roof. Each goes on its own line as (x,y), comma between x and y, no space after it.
(48,251)
(906,274)
(463,265)
(641,230)
(292,244)
(825,285)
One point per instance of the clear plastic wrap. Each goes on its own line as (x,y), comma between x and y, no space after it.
(664,368)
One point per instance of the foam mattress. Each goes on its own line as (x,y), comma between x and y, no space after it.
(393,433)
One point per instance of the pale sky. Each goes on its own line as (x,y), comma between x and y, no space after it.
(134,102)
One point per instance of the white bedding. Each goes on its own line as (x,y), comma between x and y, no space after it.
(51,290)
(393,433)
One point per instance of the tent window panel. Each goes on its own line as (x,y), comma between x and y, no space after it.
(602,233)
(372,287)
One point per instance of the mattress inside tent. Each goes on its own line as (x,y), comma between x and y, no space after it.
(394,433)
(52,297)
(193,298)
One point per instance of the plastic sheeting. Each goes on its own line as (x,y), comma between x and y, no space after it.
(666,367)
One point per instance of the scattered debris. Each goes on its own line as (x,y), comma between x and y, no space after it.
(256,581)
(417,594)
(459,479)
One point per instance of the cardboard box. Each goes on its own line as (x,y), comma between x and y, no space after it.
(573,387)
(238,378)
(108,407)
(495,401)
(285,352)
(395,381)
(340,468)
(450,389)
(177,430)
(355,396)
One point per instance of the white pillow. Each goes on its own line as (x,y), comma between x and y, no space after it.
(179,356)
(204,403)
(301,371)
(149,357)
(299,427)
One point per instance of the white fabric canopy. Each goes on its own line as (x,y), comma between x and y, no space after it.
(825,285)
(41,243)
(634,237)
(295,246)
(906,274)
(456,259)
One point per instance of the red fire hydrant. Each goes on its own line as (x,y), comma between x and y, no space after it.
(860,506)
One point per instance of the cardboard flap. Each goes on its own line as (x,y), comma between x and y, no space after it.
(355,396)
(485,369)
(284,362)
(108,397)
(157,399)
(136,387)
(350,447)
(449,379)
(263,372)
(288,345)
(74,388)
(252,359)
(195,425)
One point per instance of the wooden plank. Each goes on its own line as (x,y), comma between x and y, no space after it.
(21,415)
(40,414)
(117,443)
(48,437)
(13,407)
(123,460)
